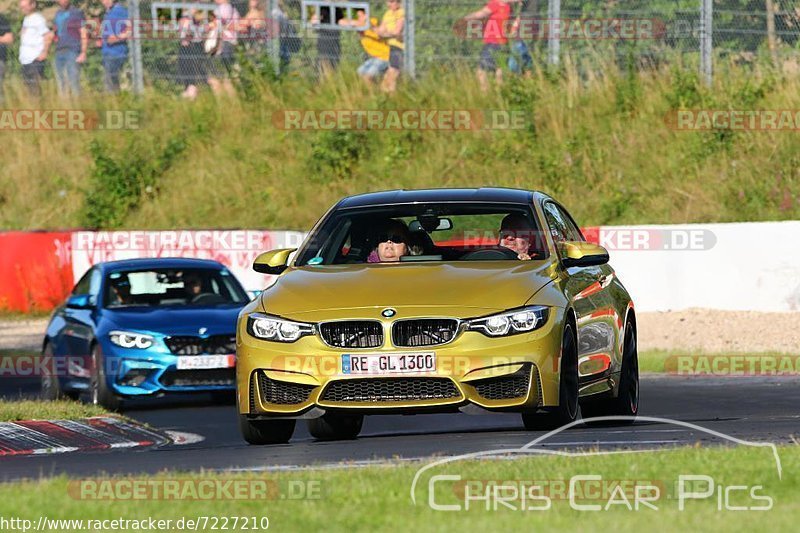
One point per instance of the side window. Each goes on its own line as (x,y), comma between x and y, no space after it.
(84,285)
(94,282)
(555,223)
(573,233)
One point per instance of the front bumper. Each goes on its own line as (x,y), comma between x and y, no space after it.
(141,373)
(304,379)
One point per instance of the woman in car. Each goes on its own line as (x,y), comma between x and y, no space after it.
(394,241)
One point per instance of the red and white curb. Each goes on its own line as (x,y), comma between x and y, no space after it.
(39,437)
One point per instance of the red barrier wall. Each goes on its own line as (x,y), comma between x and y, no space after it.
(35,270)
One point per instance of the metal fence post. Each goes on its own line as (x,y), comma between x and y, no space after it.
(409,35)
(706,40)
(136,48)
(553,31)
(274,44)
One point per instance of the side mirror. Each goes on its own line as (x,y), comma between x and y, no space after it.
(80,301)
(582,254)
(273,262)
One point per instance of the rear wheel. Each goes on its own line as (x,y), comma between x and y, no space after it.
(266,431)
(335,427)
(627,401)
(567,410)
(51,386)
(100,392)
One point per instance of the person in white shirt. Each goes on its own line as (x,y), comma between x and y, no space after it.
(34,44)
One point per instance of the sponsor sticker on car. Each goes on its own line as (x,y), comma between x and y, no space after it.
(388,363)
(202,362)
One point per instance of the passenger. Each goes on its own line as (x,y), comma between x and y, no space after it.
(517,235)
(393,243)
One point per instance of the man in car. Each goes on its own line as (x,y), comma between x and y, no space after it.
(121,290)
(192,285)
(517,234)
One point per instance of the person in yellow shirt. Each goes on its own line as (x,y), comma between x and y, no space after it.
(391,29)
(377,49)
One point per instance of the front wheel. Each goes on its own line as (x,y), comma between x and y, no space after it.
(567,410)
(260,432)
(51,388)
(626,404)
(100,392)
(335,427)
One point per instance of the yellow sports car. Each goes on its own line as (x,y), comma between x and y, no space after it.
(444,300)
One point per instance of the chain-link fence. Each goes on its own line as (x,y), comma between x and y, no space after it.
(174,44)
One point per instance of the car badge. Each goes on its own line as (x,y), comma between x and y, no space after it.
(388,312)
(202,331)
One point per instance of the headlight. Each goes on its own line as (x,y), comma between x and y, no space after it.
(510,322)
(272,328)
(127,339)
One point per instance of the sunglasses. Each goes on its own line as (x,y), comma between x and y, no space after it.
(397,239)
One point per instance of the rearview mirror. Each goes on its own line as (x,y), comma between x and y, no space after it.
(80,301)
(273,262)
(430,225)
(582,254)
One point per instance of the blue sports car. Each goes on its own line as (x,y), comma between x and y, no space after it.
(142,327)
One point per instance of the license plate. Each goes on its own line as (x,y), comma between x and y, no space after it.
(388,363)
(197,362)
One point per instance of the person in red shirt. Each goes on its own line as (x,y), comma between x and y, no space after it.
(496,14)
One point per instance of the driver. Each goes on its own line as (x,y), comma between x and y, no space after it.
(516,234)
(192,285)
(393,243)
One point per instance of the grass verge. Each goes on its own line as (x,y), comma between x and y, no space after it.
(378,498)
(13,410)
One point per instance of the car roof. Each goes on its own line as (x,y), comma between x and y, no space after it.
(403,196)
(160,262)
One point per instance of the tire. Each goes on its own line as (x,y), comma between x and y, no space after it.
(51,386)
(568,406)
(99,391)
(260,432)
(335,427)
(627,401)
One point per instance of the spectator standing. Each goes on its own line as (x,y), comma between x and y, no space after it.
(191,55)
(391,29)
(72,40)
(116,32)
(227,24)
(376,49)
(34,44)
(290,42)
(254,26)
(6,38)
(496,14)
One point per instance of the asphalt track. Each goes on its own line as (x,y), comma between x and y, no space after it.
(748,408)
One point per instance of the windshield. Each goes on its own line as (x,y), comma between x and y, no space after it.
(425,232)
(172,287)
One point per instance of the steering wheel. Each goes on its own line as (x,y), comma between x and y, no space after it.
(491,254)
(208,298)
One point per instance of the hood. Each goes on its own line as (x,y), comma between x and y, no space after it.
(174,320)
(485,286)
